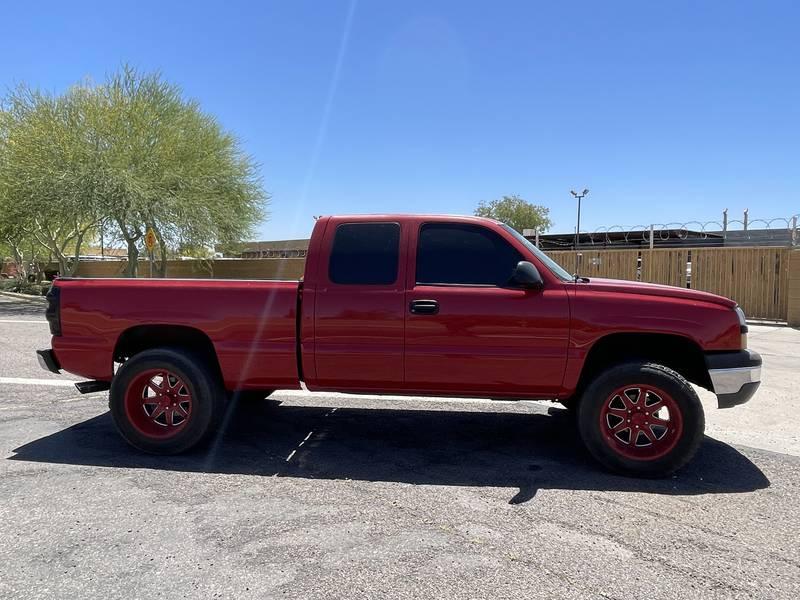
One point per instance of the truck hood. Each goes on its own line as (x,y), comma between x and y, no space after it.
(652,289)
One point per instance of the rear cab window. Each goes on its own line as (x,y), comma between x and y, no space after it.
(365,254)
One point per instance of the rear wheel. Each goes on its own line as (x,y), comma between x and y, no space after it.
(165,401)
(641,419)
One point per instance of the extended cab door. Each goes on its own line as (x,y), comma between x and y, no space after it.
(467,330)
(359,306)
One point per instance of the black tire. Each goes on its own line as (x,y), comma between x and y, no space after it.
(599,417)
(198,379)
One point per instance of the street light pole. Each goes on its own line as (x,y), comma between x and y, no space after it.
(579,196)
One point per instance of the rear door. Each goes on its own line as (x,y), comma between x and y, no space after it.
(359,314)
(468,331)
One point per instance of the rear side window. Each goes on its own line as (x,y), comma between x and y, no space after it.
(454,253)
(365,254)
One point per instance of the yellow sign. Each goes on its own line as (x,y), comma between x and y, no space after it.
(150,240)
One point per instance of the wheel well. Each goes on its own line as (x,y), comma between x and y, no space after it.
(145,337)
(676,352)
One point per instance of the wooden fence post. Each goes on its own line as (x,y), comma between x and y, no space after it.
(793,317)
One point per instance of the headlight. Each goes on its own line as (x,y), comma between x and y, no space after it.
(742,325)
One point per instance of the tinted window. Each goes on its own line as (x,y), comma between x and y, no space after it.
(464,254)
(554,267)
(365,254)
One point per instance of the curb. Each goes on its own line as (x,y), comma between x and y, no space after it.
(25,297)
(765,322)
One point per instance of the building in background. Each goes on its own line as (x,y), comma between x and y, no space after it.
(274,249)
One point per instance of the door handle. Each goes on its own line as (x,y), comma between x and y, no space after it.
(424,307)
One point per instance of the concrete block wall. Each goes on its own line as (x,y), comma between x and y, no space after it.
(259,268)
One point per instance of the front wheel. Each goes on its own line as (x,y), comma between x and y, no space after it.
(165,400)
(641,419)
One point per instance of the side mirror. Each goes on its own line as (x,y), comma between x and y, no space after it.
(527,276)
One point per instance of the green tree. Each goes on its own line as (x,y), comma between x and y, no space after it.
(170,167)
(45,180)
(516,212)
(12,235)
(126,155)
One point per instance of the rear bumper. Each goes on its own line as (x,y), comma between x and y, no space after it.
(48,361)
(734,375)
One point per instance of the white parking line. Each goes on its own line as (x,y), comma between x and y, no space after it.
(21,321)
(304,393)
(305,439)
(31,381)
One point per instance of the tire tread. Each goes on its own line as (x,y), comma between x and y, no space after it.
(693,417)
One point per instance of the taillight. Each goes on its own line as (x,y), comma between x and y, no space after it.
(53,312)
(742,325)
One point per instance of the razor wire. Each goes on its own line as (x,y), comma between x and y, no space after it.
(664,232)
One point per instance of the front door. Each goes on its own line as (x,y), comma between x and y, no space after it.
(467,330)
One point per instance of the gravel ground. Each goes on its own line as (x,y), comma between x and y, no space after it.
(335,496)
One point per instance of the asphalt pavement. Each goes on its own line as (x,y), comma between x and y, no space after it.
(336,496)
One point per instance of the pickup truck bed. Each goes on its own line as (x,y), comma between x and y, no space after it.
(253,325)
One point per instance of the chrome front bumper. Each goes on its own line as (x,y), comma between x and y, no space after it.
(734,375)
(730,381)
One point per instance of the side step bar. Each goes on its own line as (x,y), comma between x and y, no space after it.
(87,387)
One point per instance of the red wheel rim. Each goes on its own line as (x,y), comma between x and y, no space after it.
(641,422)
(158,403)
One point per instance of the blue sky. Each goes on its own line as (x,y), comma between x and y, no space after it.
(667,111)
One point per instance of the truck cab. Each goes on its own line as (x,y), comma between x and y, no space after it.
(432,306)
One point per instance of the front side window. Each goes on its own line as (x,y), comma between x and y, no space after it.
(365,254)
(463,254)
(554,267)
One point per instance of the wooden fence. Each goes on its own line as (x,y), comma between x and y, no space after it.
(759,279)
(614,264)
(756,278)
(794,289)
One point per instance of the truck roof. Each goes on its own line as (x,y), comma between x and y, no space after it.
(415,216)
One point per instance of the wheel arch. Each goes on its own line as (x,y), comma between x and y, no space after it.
(139,338)
(677,352)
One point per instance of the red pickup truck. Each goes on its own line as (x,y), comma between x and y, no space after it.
(422,305)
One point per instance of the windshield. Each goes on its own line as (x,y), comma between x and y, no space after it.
(554,267)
